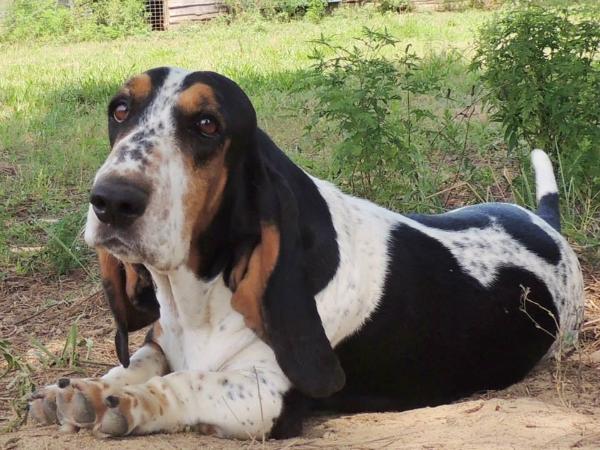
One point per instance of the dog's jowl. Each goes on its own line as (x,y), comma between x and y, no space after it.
(268,293)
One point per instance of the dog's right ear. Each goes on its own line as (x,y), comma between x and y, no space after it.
(130,294)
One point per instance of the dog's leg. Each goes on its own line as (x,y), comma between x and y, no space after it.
(76,403)
(240,404)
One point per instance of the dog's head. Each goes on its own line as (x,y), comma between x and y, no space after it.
(173,135)
(191,180)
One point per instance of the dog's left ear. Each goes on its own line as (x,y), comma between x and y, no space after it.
(131,297)
(272,293)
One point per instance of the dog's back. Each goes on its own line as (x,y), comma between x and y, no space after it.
(468,300)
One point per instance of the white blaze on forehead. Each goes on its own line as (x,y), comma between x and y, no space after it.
(164,219)
(154,132)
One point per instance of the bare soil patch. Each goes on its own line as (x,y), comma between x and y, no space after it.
(556,406)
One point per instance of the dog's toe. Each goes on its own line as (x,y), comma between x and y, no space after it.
(79,403)
(42,406)
(117,419)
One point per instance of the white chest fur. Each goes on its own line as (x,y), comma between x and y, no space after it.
(199,329)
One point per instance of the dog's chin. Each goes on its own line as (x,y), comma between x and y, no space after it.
(121,248)
(128,248)
(121,245)
(132,253)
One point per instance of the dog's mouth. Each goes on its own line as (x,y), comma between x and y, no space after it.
(114,243)
(117,244)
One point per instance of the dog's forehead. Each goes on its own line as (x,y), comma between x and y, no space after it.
(170,87)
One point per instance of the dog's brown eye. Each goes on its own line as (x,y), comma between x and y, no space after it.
(121,112)
(208,126)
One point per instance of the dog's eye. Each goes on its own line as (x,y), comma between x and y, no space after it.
(208,126)
(121,112)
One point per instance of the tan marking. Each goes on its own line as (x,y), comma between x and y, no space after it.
(122,300)
(248,296)
(147,405)
(202,199)
(110,270)
(131,280)
(125,407)
(157,331)
(109,265)
(139,87)
(238,272)
(162,400)
(95,395)
(196,95)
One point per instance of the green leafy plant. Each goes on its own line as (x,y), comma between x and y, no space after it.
(395,5)
(69,356)
(66,249)
(282,10)
(541,66)
(35,19)
(21,381)
(82,20)
(367,98)
(316,10)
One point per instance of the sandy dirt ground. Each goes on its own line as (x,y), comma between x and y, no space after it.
(557,406)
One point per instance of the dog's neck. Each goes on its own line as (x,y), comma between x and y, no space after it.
(189,301)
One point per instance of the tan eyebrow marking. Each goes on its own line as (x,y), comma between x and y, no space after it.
(139,87)
(196,95)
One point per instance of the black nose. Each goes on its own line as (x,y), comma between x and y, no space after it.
(118,203)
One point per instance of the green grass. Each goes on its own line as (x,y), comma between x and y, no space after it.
(53,99)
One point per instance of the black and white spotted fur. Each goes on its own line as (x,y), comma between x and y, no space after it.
(417,310)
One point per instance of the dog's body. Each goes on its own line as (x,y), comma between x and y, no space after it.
(270,291)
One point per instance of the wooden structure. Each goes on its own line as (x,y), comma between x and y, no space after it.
(166,13)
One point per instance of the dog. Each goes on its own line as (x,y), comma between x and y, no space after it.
(269,293)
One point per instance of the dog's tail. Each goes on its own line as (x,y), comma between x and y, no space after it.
(546,190)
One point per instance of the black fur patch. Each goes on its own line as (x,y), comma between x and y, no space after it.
(296,407)
(439,335)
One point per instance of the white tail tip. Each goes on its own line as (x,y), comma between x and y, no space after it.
(545,182)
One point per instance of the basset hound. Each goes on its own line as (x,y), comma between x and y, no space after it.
(269,293)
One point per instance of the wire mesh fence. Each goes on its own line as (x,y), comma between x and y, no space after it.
(156,14)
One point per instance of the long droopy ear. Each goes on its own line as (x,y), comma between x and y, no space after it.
(273,295)
(131,297)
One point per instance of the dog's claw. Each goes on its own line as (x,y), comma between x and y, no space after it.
(111,401)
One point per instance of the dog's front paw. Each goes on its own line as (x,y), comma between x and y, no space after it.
(75,404)
(79,402)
